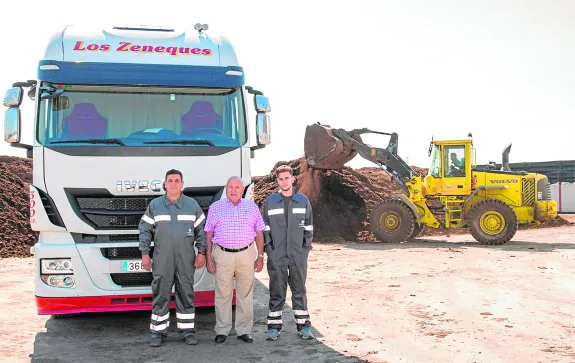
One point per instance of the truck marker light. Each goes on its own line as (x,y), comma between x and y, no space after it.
(49,67)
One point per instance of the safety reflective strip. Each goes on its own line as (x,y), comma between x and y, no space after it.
(300,312)
(160,318)
(185,325)
(308,228)
(298,211)
(300,321)
(148,220)
(267,228)
(159,327)
(185,316)
(272,212)
(275,313)
(199,220)
(162,218)
(274,321)
(186,217)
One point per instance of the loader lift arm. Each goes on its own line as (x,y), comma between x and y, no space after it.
(327,148)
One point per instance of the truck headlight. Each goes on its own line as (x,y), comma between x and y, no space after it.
(56,266)
(59,281)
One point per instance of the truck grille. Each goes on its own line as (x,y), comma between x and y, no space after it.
(115,203)
(528,191)
(132,279)
(102,210)
(123,253)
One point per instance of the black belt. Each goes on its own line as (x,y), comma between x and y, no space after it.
(235,250)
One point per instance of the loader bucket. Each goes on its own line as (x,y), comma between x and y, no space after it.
(324,150)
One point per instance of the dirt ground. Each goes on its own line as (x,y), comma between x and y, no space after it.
(438,299)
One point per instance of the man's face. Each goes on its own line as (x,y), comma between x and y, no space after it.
(285,181)
(234,190)
(173,184)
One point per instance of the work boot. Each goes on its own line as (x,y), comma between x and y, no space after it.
(272,334)
(156,341)
(191,340)
(305,333)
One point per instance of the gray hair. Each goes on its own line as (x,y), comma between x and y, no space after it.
(234,178)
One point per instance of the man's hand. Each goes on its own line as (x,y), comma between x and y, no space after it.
(259,264)
(147,262)
(200,260)
(211,265)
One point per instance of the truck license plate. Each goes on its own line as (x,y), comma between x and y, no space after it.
(133,266)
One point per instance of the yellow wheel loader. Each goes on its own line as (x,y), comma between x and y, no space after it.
(454,193)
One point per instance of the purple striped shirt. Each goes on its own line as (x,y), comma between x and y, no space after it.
(234,226)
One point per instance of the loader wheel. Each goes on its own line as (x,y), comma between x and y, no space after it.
(392,221)
(416,231)
(492,222)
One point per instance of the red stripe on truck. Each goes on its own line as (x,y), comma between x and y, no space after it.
(91,304)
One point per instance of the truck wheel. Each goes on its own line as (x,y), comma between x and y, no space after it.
(63,316)
(492,222)
(392,221)
(416,231)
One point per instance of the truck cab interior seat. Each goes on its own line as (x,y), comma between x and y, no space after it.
(85,122)
(200,117)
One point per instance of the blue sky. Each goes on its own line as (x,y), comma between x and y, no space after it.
(503,70)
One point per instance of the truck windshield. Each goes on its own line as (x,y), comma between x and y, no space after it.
(124,116)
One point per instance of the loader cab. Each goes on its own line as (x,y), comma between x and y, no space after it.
(450,171)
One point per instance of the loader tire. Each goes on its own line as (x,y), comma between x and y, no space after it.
(492,222)
(416,231)
(392,221)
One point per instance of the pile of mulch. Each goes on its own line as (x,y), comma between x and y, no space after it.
(343,200)
(16,236)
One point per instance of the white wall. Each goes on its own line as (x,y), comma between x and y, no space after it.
(564,195)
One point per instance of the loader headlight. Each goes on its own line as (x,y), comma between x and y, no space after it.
(55,266)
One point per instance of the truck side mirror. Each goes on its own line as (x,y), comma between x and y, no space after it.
(263,131)
(13,97)
(12,125)
(262,103)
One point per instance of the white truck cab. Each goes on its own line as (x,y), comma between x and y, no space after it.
(115,109)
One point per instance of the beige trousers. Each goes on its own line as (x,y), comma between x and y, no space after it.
(241,266)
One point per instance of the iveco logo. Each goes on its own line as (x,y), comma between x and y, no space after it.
(503,181)
(142,186)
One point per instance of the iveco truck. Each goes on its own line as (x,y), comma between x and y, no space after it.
(115,108)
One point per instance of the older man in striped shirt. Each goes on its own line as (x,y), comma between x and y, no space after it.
(231,227)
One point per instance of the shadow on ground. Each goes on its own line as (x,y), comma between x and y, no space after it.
(123,337)
(513,245)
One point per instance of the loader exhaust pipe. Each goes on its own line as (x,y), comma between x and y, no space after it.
(505,159)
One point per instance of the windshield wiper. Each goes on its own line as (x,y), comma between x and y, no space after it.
(91,141)
(183,142)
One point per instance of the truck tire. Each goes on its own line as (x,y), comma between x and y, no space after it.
(392,221)
(63,316)
(492,222)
